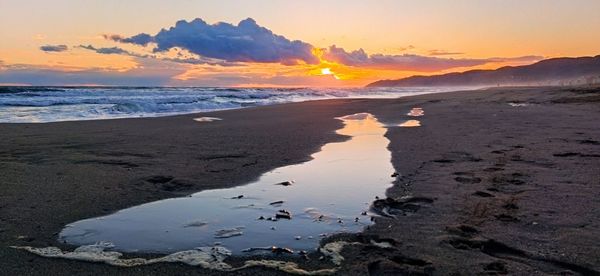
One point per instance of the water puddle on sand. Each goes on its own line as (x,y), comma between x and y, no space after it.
(410,123)
(207,119)
(416,112)
(289,207)
(514,104)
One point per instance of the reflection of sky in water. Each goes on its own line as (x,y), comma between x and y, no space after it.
(410,123)
(339,183)
(416,112)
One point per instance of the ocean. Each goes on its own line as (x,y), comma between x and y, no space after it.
(53,104)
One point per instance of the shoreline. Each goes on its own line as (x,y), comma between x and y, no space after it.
(73,160)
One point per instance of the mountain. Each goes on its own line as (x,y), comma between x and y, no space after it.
(555,71)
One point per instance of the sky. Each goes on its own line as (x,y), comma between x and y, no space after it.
(278,43)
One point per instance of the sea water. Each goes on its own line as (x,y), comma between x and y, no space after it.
(52,104)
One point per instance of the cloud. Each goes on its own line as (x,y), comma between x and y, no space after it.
(246,42)
(409,62)
(530,58)
(150,73)
(54,48)
(140,39)
(106,51)
(186,60)
(443,53)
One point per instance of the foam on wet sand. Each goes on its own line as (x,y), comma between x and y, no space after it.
(205,257)
(207,119)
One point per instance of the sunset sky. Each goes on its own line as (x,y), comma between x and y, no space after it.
(281,43)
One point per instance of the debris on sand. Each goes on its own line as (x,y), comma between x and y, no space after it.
(280,250)
(395,174)
(316,215)
(303,254)
(287,267)
(274,249)
(390,207)
(275,203)
(333,250)
(283,214)
(195,223)
(228,233)
(286,183)
(238,197)
(252,249)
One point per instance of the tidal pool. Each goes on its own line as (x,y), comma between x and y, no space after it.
(329,194)
(416,112)
(410,123)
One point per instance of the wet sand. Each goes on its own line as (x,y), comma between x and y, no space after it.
(497,188)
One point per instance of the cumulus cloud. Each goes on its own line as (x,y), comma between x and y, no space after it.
(409,62)
(54,48)
(246,42)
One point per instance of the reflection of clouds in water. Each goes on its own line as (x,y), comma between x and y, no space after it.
(361,124)
(357,116)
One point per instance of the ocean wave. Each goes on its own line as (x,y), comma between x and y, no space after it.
(26,89)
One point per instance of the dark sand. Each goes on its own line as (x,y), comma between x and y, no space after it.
(500,189)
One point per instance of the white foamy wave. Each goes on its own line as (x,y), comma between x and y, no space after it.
(51,104)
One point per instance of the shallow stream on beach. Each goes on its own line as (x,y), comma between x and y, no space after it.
(290,207)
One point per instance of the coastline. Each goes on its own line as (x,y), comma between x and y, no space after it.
(469,142)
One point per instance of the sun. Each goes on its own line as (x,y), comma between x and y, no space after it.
(327,71)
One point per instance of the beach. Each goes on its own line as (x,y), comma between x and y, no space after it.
(502,180)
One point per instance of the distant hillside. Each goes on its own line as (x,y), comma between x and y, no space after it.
(555,71)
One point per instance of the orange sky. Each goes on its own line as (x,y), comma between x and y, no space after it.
(398,38)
